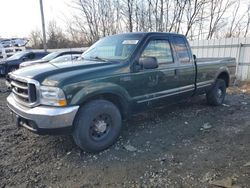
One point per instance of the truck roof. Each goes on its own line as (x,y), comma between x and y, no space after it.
(150,33)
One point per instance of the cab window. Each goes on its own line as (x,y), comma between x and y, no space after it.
(160,49)
(181,49)
(31,56)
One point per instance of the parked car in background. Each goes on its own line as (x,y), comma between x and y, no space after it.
(9,47)
(3,54)
(12,63)
(64,58)
(49,57)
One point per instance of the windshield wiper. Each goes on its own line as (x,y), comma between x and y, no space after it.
(99,58)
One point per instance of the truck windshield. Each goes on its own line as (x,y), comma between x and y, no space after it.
(116,48)
(17,55)
(50,56)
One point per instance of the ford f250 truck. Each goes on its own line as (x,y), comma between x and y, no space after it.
(117,76)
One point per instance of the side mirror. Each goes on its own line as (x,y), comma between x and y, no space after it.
(148,62)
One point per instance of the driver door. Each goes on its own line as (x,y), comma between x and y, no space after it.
(152,85)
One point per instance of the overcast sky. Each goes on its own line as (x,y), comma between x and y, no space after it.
(19,17)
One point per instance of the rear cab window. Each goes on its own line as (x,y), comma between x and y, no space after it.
(182,49)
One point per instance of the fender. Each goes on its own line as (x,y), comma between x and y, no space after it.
(222,70)
(96,89)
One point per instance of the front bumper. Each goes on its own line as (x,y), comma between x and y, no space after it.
(43,119)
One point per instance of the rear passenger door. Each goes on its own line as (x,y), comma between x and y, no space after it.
(186,67)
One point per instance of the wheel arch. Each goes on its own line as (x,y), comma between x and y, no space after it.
(106,91)
(224,75)
(119,101)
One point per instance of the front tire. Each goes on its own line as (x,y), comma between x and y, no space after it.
(216,95)
(97,126)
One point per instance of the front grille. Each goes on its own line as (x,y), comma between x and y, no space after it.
(23,91)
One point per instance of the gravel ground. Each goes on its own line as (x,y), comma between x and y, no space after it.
(185,145)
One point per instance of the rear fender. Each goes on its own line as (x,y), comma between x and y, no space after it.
(223,70)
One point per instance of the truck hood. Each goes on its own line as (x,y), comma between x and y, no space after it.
(28,63)
(10,62)
(55,73)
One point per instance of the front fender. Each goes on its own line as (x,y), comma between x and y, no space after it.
(95,89)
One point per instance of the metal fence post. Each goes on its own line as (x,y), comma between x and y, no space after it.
(43,26)
(238,58)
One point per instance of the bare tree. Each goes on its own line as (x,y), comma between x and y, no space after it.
(248,21)
(92,19)
(161,15)
(217,10)
(36,39)
(177,15)
(192,13)
(128,12)
(193,18)
(55,36)
(232,25)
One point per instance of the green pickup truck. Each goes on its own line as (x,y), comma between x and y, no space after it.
(118,76)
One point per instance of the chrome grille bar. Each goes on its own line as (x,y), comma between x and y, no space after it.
(25,90)
(18,85)
(20,94)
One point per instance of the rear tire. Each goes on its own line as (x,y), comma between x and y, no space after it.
(97,126)
(216,95)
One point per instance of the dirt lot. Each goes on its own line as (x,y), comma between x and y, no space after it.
(186,145)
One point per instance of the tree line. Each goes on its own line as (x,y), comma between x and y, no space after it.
(196,19)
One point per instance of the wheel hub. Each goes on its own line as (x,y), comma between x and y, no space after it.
(219,93)
(100,126)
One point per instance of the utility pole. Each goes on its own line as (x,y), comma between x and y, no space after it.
(43,27)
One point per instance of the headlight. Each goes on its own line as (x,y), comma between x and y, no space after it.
(52,96)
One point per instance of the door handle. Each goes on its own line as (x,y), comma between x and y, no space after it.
(176,71)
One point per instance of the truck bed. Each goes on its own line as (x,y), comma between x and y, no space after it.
(214,59)
(207,67)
